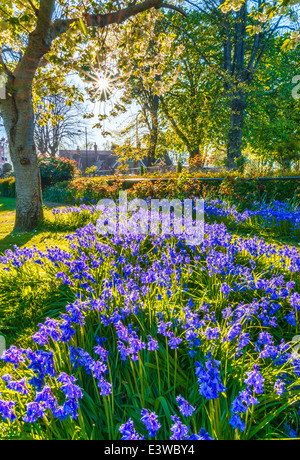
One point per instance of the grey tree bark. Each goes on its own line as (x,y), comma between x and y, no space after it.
(18,121)
(153,138)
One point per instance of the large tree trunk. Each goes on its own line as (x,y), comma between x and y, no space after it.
(17,112)
(29,206)
(235,134)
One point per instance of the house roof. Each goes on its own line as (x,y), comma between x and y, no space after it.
(105,159)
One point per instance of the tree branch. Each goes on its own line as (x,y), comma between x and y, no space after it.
(175,8)
(177,130)
(117,17)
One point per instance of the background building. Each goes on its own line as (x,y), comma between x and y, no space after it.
(103,159)
(107,161)
(4,154)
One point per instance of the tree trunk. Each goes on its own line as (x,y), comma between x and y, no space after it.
(153,131)
(29,206)
(235,134)
(17,113)
(194,151)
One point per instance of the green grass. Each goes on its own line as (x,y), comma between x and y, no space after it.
(26,302)
(45,235)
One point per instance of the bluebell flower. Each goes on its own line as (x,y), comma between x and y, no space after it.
(209,381)
(180,431)
(255,380)
(128,431)
(279,387)
(174,342)
(69,388)
(152,344)
(7,410)
(150,420)
(237,423)
(19,386)
(185,408)
(34,411)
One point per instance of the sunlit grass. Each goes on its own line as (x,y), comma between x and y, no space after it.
(45,235)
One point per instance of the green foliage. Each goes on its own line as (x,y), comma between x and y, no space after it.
(54,170)
(58,193)
(7,187)
(244,192)
(273,114)
(194,109)
(240,163)
(28,302)
(91,171)
(6,168)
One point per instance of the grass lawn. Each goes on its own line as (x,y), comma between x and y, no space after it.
(29,302)
(42,237)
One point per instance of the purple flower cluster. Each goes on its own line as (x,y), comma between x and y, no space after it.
(144,292)
(208,377)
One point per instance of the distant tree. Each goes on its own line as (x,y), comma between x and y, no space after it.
(141,66)
(243,31)
(57,124)
(273,115)
(192,111)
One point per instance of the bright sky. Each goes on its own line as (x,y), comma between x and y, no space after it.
(94,134)
(113,124)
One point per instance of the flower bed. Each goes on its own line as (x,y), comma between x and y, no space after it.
(164,340)
(279,219)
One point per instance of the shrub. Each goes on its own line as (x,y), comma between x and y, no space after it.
(239,190)
(6,168)
(58,193)
(54,170)
(91,172)
(7,187)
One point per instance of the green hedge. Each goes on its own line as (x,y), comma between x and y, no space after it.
(238,190)
(7,187)
(54,170)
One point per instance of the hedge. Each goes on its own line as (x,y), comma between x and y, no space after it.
(240,190)
(7,187)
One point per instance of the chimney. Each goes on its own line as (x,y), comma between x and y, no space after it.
(96,148)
